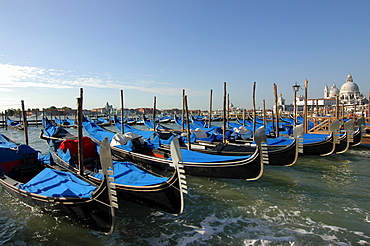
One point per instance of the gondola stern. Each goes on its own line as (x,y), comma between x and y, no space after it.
(108,194)
(179,169)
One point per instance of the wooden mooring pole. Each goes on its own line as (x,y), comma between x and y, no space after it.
(25,123)
(79,129)
(210,109)
(224,116)
(122,114)
(276,110)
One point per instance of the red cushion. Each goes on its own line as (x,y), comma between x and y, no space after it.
(88,146)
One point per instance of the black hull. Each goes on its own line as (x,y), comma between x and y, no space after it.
(89,212)
(286,156)
(343,144)
(250,169)
(357,138)
(278,155)
(320,148)
(166,198)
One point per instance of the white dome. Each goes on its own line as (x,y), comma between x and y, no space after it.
(334,91)
(349,86)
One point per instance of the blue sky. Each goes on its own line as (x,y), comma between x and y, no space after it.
(50,49)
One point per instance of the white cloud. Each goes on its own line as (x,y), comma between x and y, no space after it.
(15,76)
(6,90)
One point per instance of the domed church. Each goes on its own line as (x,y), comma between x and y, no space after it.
(349,93)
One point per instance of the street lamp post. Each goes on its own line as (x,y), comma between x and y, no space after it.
(295,90)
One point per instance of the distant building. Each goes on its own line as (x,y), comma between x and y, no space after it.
(349,93)
(107,109)
(281,103)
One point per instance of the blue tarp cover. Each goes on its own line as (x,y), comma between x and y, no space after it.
(65,156)
(96,131)
(214,133)
(127,173)
(152,138)
(314,138)
(10,122)
(246,135)
(16,153)
(288,129)
(4,142)
(49,129)
(71,122)
(53,183)
(278,141)
(156,141)
(193,156)
(46,158)
(128,128)
(99,133)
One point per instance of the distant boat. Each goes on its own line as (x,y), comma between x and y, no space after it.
(165,119)
(103,122)
(149,124)
(67,123)
(211,134)
(14,125)
(129,121)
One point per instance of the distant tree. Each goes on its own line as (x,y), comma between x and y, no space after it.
(17,111)
(10,112)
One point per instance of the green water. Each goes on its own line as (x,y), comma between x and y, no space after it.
(317,201)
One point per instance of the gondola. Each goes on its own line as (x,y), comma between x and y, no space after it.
(282,151)
(128,121)
(34,179)
(14,125)
(149,124)
(319,144)
(249,167)
(358,133)
(132,183)
(102,121)
(351,137)
(324,144)
(346,138)
(67,123)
